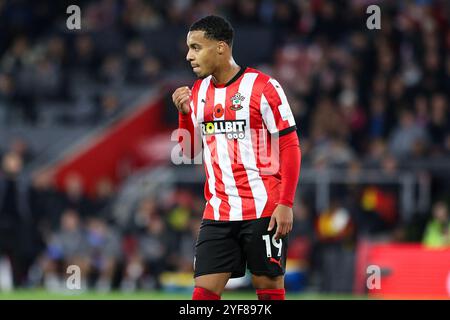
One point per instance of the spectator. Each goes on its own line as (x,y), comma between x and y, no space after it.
(148,259)
(85,59)
(107,109)
(405,135)
(74,197)
(20,146)
(15,224)
(46,204)
(437,231)
(439,124)
(380,121)
(183,251)
(147,208)
(67,246)
(103,248)
(7,98)
(101,205)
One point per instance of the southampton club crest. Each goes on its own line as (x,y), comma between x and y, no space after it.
(236,101)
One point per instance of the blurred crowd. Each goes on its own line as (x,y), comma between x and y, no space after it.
(354,92)
(361,98)
(43,230)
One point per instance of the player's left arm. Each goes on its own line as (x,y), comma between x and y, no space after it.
(290,159)
(280,122)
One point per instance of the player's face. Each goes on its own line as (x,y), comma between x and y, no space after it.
(203,53)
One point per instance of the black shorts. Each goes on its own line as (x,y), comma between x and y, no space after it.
(231,246)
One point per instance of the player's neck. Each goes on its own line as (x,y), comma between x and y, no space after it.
(226,72)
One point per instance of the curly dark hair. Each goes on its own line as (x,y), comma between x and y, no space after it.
(215,27)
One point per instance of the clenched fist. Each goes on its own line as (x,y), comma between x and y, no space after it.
(180,98)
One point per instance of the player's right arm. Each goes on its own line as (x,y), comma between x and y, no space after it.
(181,98)
(188,136)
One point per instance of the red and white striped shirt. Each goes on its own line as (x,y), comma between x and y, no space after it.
(236,122)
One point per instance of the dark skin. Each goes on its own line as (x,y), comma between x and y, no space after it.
(213,57)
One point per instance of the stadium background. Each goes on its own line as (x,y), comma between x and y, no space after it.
(85,137)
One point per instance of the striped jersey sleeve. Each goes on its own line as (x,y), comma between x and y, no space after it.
(275,109)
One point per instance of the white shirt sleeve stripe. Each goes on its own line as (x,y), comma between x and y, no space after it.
(267,115)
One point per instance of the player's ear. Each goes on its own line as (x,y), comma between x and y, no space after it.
(221,47)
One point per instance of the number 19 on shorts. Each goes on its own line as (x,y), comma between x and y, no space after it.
(277,244)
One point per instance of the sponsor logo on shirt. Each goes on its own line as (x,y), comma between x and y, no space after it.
(233,129)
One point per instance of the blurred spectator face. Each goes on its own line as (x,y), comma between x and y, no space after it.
(12,164)
(56,47)
(397,87)
(151,66)
(438,101)
(328,9)
(377,106)
(46,69)
(440,212)
(97,226)
(438,108)
(358,40)
(419,148)
(406,119)
(109,103)
(185,198)
(348,81)
(420,105)
(386,60)
(354,168)
(112,66)
(390,165)
(84,45)
(377,149)
(104,188)
(432,61)
(379,86)
(20,46)
(155,226)
(147,208)
(247,8)
(70,220)
(6,85)
(74,185)
(43,180)
(136,49)
(430,40)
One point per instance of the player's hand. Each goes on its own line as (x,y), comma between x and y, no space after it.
(180,98)
(283,217)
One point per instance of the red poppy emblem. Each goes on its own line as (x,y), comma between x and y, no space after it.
(218,111)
